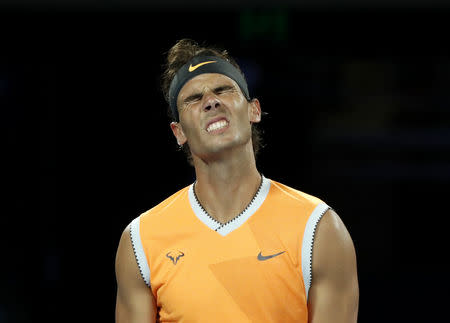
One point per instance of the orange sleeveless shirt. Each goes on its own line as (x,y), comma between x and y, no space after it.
(255,268)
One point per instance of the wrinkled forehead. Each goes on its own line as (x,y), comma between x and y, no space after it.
(202,82)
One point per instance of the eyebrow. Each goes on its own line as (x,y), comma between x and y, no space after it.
(199,95)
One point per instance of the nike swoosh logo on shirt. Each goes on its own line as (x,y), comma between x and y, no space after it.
(262,258)
(193,68)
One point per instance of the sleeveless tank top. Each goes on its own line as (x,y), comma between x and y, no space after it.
(255,268)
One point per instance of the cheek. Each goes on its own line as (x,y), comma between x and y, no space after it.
(241,105)
(190,127)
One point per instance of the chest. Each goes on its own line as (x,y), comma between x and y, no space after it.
(252,274)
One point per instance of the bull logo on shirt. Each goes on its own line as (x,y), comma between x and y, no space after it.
(175,256)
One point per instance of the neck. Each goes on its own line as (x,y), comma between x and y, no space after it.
(225,187)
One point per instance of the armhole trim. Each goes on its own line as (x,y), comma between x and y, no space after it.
(308,241)
(139,251)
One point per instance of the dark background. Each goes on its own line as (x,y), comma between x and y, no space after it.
(358,106)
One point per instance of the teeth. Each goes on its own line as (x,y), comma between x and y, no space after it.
(217,125)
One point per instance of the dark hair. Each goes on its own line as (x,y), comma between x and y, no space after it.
(181,53)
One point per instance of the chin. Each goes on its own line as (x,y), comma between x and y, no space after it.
(227,145)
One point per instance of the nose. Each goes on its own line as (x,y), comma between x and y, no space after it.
(211,102)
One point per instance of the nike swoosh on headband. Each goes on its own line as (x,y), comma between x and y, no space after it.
(193,68)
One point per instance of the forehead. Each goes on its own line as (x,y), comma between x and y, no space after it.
(202,81)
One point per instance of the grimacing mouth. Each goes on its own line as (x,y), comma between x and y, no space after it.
(216,123)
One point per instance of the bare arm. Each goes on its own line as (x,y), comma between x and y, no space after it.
(334,293)
(135,302)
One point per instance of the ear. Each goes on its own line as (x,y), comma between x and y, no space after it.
(254,112)
(178,133)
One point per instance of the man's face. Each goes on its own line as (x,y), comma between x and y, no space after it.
(214,115)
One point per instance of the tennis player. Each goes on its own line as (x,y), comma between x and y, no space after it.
(234,246)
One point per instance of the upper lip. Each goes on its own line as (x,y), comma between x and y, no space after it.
(215,120)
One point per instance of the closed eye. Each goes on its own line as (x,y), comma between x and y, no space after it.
(193,98)
(198,96)
(224,88)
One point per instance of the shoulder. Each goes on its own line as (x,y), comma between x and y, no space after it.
(134,301)
(333,247)
(334,293)
(292,196)
(130,257)
(126,265)
(332,228)
(169,203)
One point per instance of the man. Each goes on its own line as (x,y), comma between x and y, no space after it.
(234,246)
